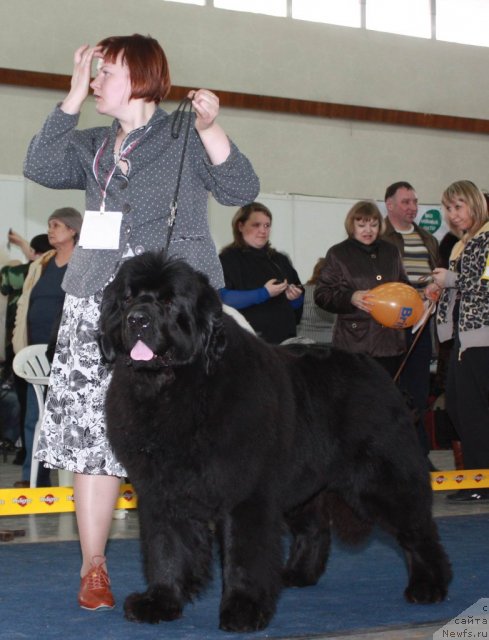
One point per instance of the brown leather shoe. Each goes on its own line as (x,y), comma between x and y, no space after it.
(95,590)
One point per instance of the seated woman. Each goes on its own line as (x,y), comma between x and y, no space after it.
(260,281)
(351,268)
(12,279)
(39,312)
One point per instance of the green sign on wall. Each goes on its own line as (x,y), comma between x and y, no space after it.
(431,220)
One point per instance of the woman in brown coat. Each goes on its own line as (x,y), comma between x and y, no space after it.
(350,270)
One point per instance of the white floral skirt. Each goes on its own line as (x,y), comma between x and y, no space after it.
(73,433)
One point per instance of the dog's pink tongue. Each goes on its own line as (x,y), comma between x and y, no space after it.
(141,351)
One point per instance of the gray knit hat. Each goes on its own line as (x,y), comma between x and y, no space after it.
(71,218)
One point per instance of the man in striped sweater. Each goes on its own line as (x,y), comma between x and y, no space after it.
(419,251)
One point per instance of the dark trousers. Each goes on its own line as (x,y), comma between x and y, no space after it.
(21,389)
(467,402)
(415,379)
(31,417)
(390,363)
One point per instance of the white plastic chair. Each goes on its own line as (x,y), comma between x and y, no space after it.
(32,364)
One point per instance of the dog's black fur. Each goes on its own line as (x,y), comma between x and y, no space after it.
(219,427)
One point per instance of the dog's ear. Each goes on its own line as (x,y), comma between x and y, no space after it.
(212,334)
(110,336)
(213,341)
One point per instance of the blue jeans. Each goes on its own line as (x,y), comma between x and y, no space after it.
(10,412)
(31,418)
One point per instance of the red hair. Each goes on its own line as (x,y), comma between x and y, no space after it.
(147,63)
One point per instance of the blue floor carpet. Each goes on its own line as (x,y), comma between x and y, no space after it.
(362,589)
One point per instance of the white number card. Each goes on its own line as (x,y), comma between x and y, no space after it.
(101,230)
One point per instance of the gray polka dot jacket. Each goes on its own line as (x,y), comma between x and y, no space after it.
(63,157)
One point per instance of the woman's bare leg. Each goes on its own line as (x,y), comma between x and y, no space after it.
(95,499)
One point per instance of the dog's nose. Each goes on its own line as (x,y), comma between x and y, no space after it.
(138,319)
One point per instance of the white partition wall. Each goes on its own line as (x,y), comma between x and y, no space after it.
(304,227)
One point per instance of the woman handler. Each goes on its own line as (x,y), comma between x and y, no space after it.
(129,172)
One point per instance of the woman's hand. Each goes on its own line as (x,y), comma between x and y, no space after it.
(22,243)
(293,292)
(206,107)
(432,292)
(361,300)
(214,138)
(80,80)
(275,288)
(439,277)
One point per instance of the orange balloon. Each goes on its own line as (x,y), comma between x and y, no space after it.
(396,305)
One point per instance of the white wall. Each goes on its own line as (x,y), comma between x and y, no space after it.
(304,227)
(227,50)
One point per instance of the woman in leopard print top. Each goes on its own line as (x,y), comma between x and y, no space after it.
(463,313)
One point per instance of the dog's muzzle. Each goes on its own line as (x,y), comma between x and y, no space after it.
(138,322)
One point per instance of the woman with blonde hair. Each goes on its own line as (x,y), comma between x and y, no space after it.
(463,313)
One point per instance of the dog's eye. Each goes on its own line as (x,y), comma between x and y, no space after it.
(127,299)
(165,300)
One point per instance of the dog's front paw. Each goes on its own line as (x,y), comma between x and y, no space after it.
(425,592)
(242,613)
(296,578)
(152,606)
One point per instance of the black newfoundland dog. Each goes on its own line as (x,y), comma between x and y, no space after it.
(225,437)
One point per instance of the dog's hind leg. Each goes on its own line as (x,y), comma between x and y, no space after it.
(405,511)
(311,541)
(428,565)
(251,554)
(407,514)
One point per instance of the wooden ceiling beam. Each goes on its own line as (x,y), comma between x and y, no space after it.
(291,106)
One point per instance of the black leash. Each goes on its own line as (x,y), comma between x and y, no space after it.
(176,127)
